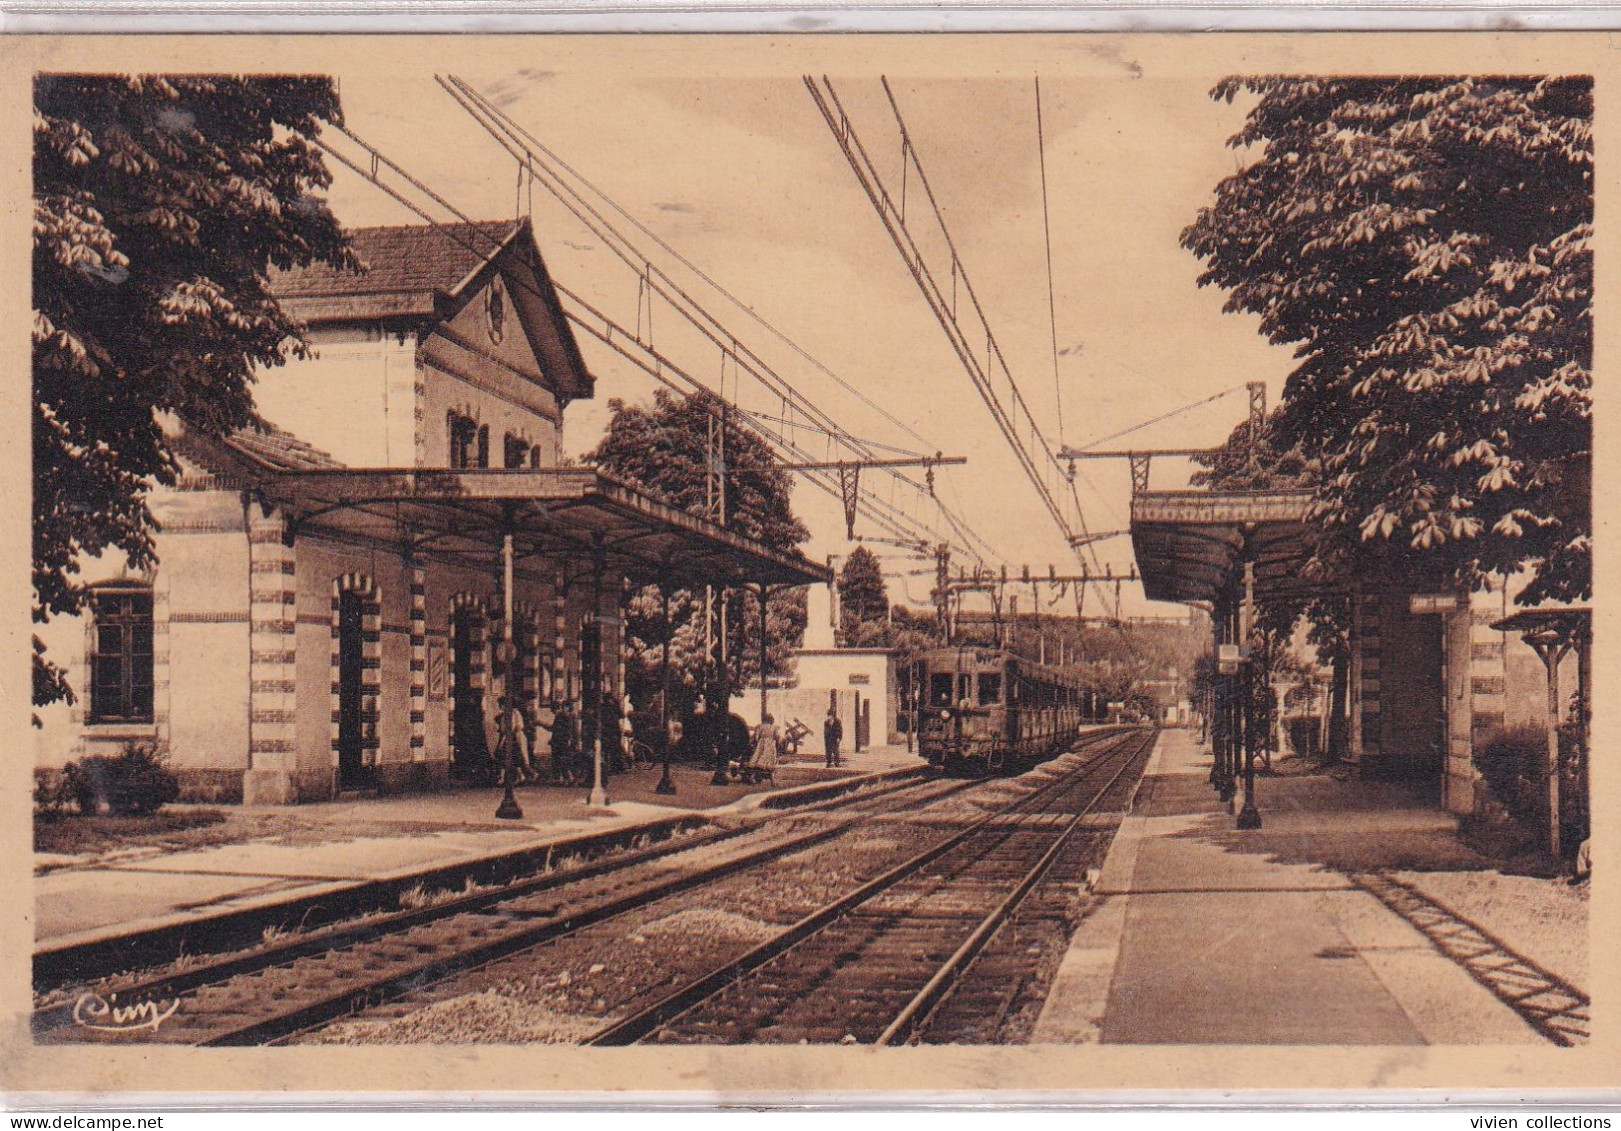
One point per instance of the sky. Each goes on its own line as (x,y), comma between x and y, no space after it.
(725,156)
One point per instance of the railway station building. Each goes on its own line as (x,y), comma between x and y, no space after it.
(1435,676)
(332,595)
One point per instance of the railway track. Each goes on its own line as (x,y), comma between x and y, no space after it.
(292,985)
(874,964)
(307,977)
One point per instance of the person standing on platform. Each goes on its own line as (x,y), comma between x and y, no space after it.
(763,763)
(675,735)
(565,744)
(833,737)
(627,731)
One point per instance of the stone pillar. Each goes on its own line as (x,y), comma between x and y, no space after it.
(161,680)
(560,688)
(419,663)
(1367,716)
(272,627)
(1486,693)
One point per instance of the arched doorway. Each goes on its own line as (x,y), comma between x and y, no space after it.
(356,656)
(470,753)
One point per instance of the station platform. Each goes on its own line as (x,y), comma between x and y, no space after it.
(1333,924)
(260,856)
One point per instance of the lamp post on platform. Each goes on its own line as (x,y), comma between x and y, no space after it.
(1551,647)
(1249,817)
(599,795)
(666,785)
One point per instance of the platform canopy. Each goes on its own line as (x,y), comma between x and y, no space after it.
(1562,620)
(554,515)
(1191,545)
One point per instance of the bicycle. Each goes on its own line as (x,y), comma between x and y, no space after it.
(638,753)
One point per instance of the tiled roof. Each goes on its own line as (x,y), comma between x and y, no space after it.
(279,450)
(406,266)
(247,450)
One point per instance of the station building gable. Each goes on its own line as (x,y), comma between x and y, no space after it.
(449,348)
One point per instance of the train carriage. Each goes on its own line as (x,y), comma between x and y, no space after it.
(982,709)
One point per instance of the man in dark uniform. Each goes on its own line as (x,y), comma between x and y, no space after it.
(832,737)
(566,744)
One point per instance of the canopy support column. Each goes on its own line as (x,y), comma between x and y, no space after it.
(507,652)
(592,692)
(1249,817)
(765,601)
(666,783)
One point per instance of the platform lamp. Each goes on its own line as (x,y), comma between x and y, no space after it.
(506,652)
(666,785)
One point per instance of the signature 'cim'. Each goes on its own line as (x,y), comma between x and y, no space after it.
(92,1011)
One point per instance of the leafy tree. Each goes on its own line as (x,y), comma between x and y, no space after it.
(863,599)
(1242,465)
(1425,245)
(663,449)
(160,203)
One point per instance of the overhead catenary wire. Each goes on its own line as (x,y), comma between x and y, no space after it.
(499,115)
(829,435)
(992,348)
(1047,237)
(658,359)
(838,121)
(1008,420)
(1161,418)
(655,364)
(523,147)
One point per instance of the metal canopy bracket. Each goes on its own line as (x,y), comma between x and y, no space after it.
(550,511)
(850,495)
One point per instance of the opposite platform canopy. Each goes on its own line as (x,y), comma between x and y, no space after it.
(556,516)
(1191,546)
(1571,621)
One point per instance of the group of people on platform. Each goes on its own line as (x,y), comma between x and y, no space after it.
(704,734)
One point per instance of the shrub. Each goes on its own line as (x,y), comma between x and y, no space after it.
(1574,820)
(133,781)
(1513,765)
(52,791)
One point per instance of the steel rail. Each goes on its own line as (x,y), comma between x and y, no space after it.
(917,1011)
(59,1017)
(674,1005)
(435,970)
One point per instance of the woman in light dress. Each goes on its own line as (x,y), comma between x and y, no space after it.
(763,763)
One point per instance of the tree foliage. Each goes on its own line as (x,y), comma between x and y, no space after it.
(1258,464)
(1425,245)
(863,598)
(1265,464)
(160,203)
(664,449)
